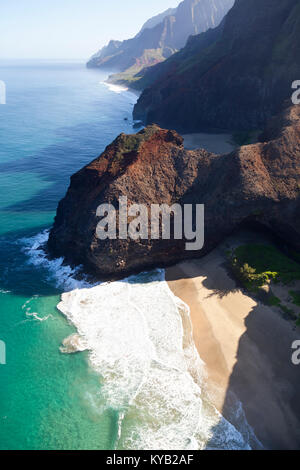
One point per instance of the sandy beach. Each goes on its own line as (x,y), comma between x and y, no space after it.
(246,347)
(215,143)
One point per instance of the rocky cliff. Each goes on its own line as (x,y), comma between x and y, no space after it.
(160,37)
(234,77)
(257,183)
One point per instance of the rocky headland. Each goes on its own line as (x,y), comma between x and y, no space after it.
(233,77)
(159,38)
(257,184)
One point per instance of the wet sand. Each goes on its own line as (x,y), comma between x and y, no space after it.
(246,347)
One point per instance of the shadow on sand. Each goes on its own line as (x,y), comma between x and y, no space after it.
(256,368)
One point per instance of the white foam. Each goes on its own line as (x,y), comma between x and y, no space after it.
(115,88)
(33,315)
(63,275)
(36,316)
(74,343)
(140,340)
(150,368)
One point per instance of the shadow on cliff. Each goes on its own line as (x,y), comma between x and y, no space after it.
(264,380)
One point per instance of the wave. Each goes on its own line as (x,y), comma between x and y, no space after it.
(151,372)
(63,276)
(34,315)
(139,338)
(115,88)
(119,89)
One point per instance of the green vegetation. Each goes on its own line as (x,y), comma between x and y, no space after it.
(128,145)
(296,301)
(246,137)
(131,76)
(255,265)
(288,311)
(296,297)
(274,301)
(242,138)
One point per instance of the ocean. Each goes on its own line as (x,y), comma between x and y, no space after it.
(105,366)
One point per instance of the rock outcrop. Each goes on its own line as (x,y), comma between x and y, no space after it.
(234,77)
(258,183)
(159,38)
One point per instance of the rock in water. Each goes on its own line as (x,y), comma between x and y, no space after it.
(258,183)
(73,344)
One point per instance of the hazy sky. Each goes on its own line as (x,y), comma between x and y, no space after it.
(62,29)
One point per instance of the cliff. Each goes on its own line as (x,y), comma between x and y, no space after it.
(159,38)
(234,77)
(256,183)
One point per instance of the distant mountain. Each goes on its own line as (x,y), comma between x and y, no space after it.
(232,77)
(161,36)
(157,19)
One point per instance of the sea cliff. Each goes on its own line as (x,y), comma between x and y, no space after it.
(257,184)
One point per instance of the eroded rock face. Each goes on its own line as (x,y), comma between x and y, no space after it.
(161,36)
(234,77)
(258,183)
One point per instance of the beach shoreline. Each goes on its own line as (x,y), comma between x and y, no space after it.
(246,347)
(221,143)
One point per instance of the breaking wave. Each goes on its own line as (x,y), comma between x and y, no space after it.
(115,88)
(62,275)
(139,337)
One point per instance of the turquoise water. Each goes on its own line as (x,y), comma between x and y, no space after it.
(137,382)
(57,118)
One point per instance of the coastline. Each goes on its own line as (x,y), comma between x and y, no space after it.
(221,143)
(120,88)
(246,347)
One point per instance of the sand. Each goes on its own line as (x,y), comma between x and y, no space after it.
(215,143)
(246,347)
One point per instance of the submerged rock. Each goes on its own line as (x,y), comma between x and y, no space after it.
(257,183)
(73,344)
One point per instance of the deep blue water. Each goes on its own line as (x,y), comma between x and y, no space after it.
(58,117)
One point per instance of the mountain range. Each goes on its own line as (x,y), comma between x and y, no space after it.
(160,38)
(233,77)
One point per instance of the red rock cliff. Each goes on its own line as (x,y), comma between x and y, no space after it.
(258,183)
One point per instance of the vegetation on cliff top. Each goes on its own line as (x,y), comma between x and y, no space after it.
(256,265)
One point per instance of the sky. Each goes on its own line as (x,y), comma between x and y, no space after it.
(70,29)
